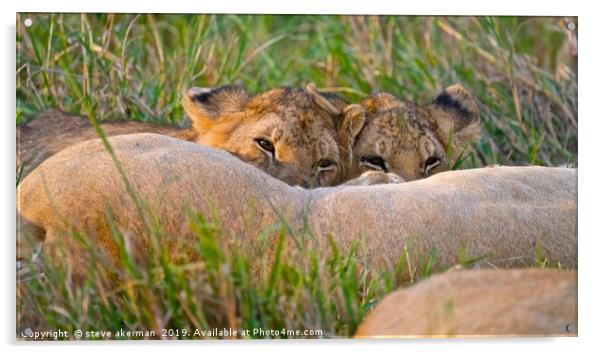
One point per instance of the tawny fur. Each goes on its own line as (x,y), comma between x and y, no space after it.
(300,123)
(525,302)
(52,131)
(414,141)
(504,213)
(305,126)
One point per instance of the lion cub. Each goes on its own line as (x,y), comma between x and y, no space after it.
(287,132)
(290,133)
(385,134)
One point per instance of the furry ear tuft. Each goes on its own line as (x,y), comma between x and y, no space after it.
(321,100)
(205,105)
(353,118)
(455,112)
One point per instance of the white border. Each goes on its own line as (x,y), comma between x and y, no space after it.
(589,178)
(431,7)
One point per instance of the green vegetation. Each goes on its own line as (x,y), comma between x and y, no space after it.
(119,67)
(522,70)
(265,286)
(259,287)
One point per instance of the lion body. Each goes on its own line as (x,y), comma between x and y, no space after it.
(506,214)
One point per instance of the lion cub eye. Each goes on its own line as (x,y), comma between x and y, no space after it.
(431,163)
(324,165)
(374,162)
(265,145)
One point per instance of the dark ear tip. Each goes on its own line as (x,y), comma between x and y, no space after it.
(199,94)
(456,98)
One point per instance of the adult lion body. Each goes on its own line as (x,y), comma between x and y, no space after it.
(517,302)
(500,212)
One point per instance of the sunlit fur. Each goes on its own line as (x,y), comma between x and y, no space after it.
(301,131)
(406,135)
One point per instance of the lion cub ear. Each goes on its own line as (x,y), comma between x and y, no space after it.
(205,105)
(456,114)
(352,121)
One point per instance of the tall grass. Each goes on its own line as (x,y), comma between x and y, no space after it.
(133,67)
(266,286)
(217,285)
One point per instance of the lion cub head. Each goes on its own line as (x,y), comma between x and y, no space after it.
(287,132)
(386,134)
